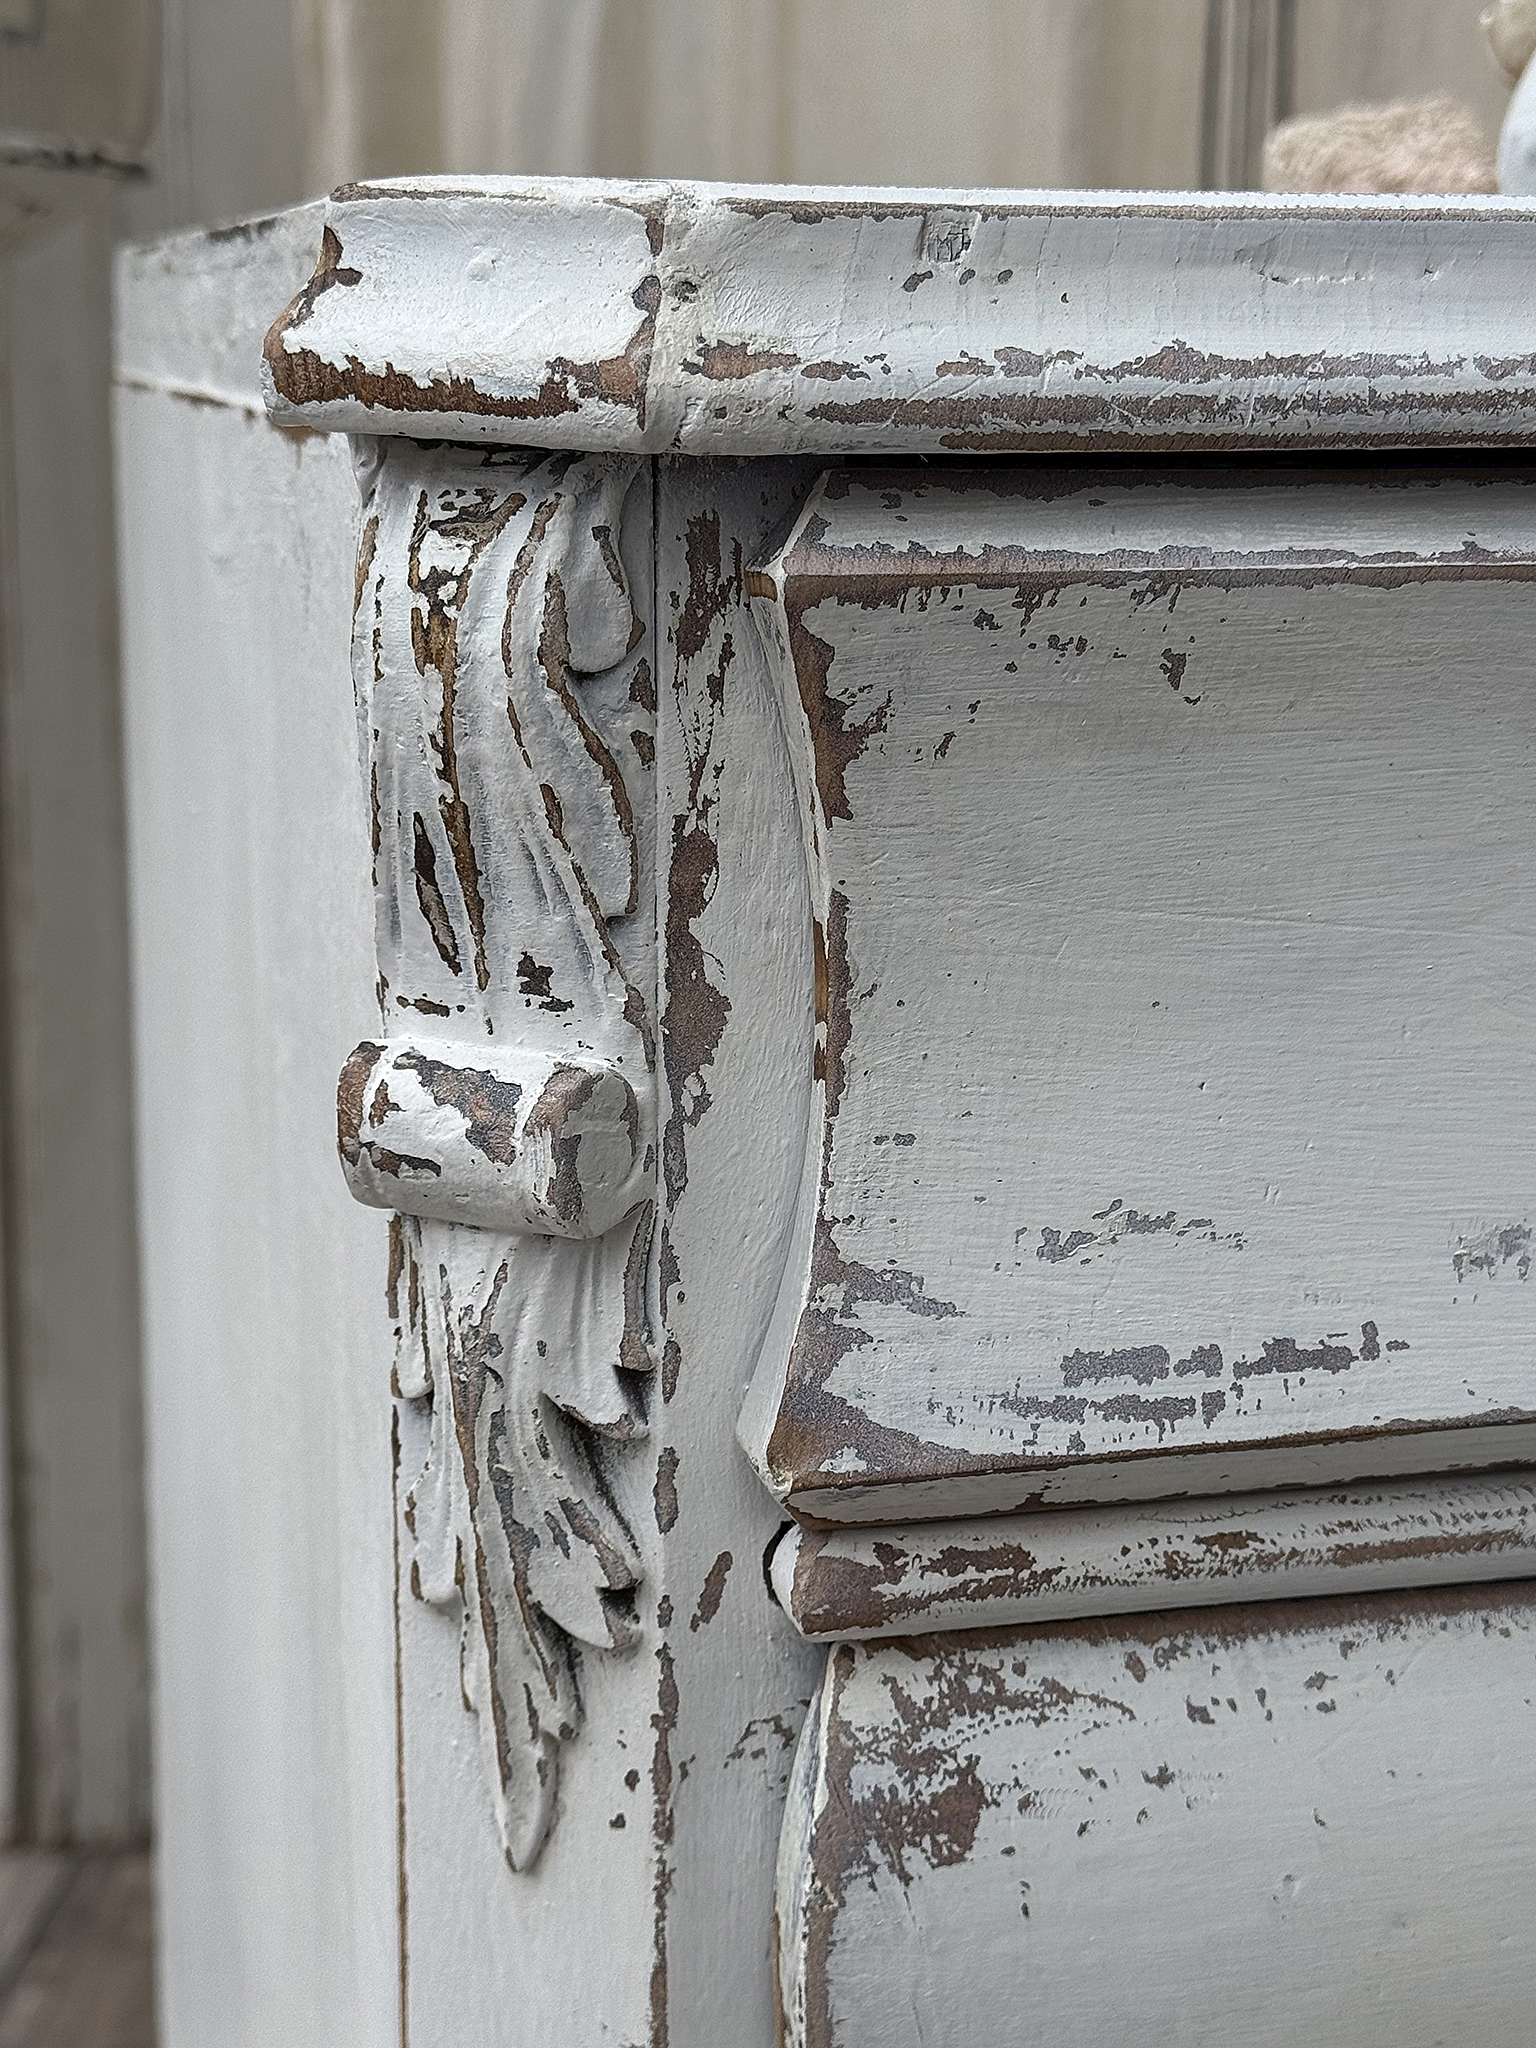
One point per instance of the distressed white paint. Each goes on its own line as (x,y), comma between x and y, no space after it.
(1004,1571)
(570,316)
(1183,1148)
(505,1138)
(670,1793)
(652,1890)
(505,700)
(1262,1826)
(763,320)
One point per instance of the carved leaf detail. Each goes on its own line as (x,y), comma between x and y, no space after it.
(506,719)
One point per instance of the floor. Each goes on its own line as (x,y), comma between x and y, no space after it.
(76,1950)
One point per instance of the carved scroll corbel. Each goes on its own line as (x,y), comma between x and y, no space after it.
(506,1114)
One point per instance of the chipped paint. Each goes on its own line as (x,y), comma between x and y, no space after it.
(1507,1244)
(663,1832)
(665,1492)
(505,1137)
(305,380)
(847,1585)
(695,1011)
(712,1593)
(1038,331)
(994,1312)
(1276,1770)
(736,957)
(496,654)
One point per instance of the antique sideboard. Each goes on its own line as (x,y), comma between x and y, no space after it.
(940,1314)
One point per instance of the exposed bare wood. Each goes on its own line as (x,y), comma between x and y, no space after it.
(999,1571)
(770,320)
(1169,1076)
(1260,1825)
(504,688)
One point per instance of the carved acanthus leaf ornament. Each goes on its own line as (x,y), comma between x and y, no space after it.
(506,1113)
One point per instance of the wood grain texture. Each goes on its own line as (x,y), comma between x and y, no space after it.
(1166,837)
(506,699)
(1280,1823)
(769,320)
(997,1571)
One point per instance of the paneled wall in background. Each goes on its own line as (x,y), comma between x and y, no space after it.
(953,92)
(78,88)
(115,119)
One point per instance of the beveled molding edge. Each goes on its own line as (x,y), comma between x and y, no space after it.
(861,1584)
(648,316)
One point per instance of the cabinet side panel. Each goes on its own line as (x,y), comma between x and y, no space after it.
(266,1342)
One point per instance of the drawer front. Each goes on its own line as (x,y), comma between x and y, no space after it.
(1176,952)
(1247,1827)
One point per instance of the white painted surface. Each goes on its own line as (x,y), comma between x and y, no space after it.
(77,98)
(1168,854)
(649,1892)
(768,320)
(503,663)
(648,1909)
(267,1345)
(1004,1571)
(1274,1824)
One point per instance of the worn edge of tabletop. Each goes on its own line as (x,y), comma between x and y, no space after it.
(712,320)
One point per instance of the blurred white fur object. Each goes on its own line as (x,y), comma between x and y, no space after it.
(1429,145)
(1511,26)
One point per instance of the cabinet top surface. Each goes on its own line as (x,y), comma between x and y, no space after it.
(707,319)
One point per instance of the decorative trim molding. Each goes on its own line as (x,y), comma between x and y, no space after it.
(850,1585)
(516,1139)
(569,312)
(507,726)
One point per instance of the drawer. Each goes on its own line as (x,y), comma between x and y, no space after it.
(1175,952)
(1252,1827)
